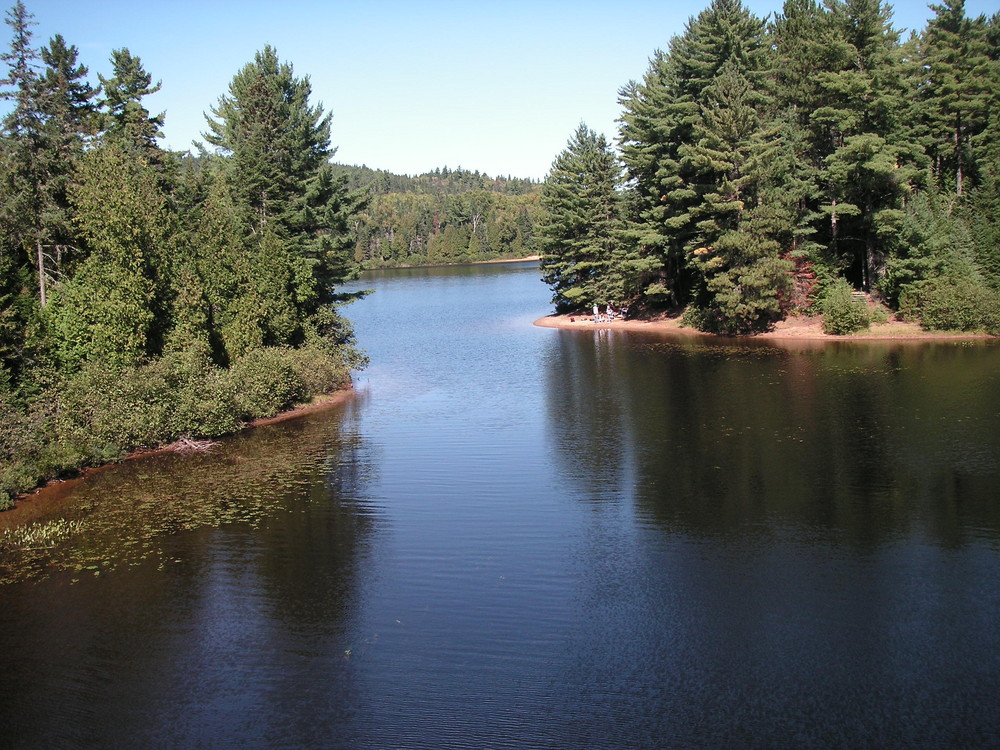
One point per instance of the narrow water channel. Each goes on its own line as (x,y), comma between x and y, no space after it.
(524,537)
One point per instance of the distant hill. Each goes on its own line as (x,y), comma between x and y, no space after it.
(444,216)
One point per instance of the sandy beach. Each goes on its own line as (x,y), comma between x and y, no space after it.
(799,328)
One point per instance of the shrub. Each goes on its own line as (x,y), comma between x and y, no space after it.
(842,314)
(944,304)
(319,371)
(17,447)
(878,314)
(264,382)
(203,397)
(101,413)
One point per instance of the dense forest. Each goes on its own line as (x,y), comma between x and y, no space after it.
(444,216)
(147,295)
(813,161)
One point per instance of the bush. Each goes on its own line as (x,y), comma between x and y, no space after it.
(318,370)
(842,314)
(203,398)
(17,447)
(952,305)
(264,382)
(100,413)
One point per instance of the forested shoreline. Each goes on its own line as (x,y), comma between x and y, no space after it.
(147,295)
(813,161)
(441,217)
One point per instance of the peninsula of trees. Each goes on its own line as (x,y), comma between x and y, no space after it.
(147,295)
(813,158)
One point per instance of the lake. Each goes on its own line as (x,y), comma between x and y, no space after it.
(524,537)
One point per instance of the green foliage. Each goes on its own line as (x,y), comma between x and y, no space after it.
(265,382)
(842,313)
(19,450)
(956,93)
(99,414)
(109,309)
(38,535)
(820,139)
(946,304)
(678,134)
(318,371)
(127,119)
(146,296)
(439,182)
(935,240)
(102,314)
(580,224)
(418,225)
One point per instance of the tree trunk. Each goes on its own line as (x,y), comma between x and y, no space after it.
(958,159)
(41,272)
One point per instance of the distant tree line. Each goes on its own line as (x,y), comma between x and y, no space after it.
(444,216)
(144,294)
(764,166)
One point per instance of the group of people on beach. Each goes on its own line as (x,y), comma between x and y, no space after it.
(610,313)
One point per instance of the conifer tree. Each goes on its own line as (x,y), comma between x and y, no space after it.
(580,223)
(127,117)
(657,119)
(735,247)
(957,92)
(290,206)
(24,159)
(71,119)
(113,309)
(660,118)
(868,161)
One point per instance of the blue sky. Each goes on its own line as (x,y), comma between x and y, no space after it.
(493,86)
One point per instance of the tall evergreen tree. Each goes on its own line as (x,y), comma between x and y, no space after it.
(660,120)
(128,120)
(957,92)
(735,247)
(580,223)
(867,159)
(71,118)
(24,159)
(292,208)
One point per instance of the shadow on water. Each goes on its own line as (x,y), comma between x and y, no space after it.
(859,443)
(189,571)
(813,564)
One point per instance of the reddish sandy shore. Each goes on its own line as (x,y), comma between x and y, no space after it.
(37,505)
(792,329)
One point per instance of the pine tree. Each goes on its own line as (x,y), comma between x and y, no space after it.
(957,92)
(868,160)
(657,119)
(661,116)
(127,119)
(290,206)
(735,248)
(580,224)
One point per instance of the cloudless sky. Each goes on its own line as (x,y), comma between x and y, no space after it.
(493,86)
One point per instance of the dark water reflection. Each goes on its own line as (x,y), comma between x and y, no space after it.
(205,591)
(860,443)
(522,537)
(817,540)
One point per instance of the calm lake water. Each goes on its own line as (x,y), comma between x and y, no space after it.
(524,537)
